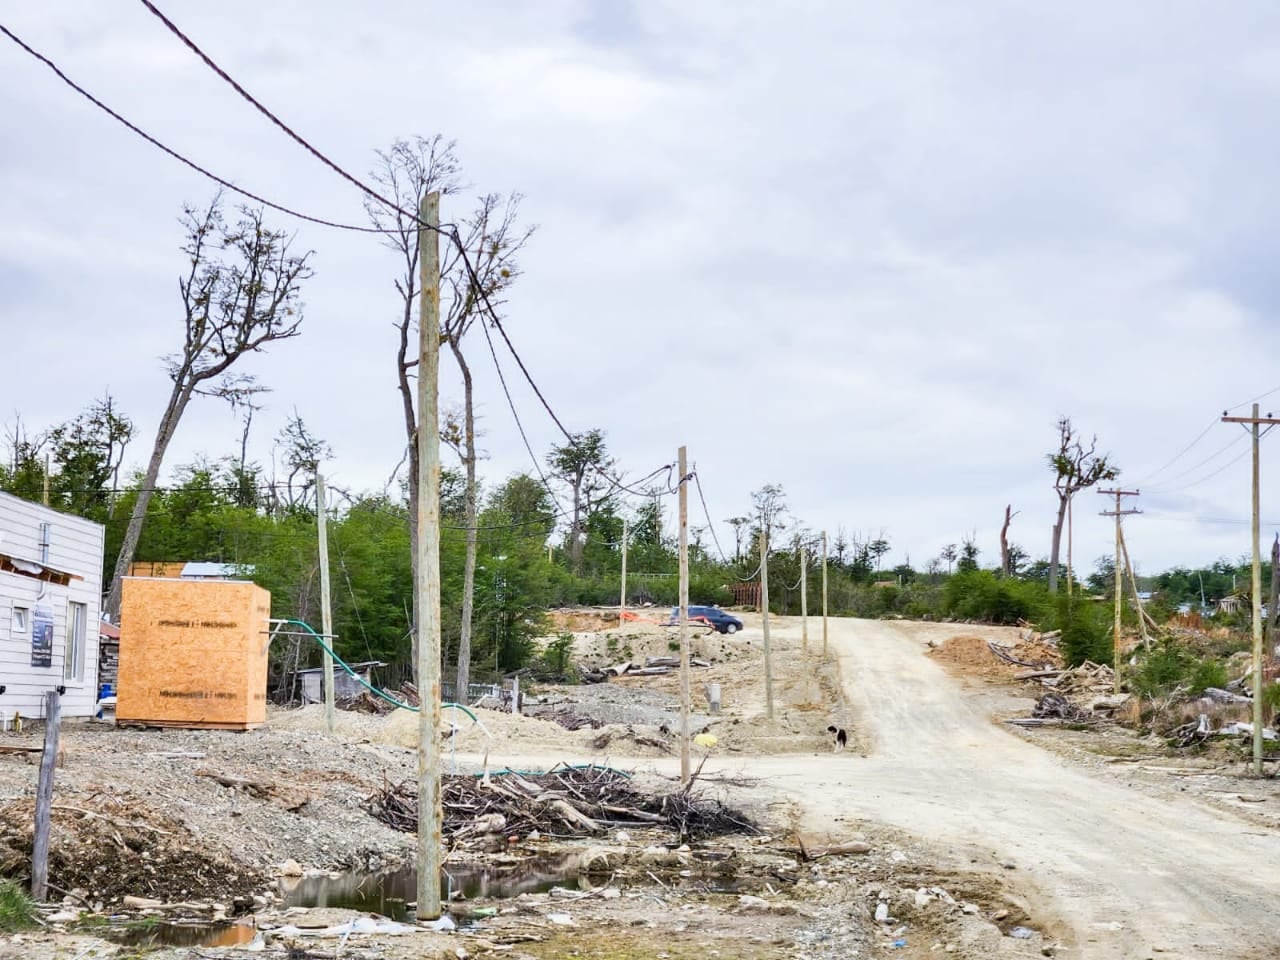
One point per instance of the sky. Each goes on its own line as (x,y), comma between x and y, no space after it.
(869,252)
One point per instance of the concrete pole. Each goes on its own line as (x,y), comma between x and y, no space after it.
(1257,604)
(427,587)
(683,468)
(326,607)
(824,593)
(622,596)
(764,609)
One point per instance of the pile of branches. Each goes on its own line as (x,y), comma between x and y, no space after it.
(569,720)
(564,802)
(1057,707)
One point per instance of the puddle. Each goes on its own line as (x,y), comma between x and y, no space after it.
(388,894)
(183,935)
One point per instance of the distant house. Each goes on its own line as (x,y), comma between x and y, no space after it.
(1230,604)
(189,570)
(50,595)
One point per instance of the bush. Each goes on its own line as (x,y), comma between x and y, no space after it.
(981,595)
(17,912)
(1169,666)
(1086,631)
(1207,673)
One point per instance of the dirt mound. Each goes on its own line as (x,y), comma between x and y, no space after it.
(116,846)
(581,619)
(972,655)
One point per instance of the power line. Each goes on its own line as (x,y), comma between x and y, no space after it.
(1209,476)
(1174,459)
(1196,466)
(191,44)
(221,181)
(1256,399)
(707,513)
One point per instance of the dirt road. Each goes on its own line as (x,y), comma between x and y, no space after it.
(1129,875)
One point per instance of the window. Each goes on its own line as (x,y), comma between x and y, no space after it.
(21,624)
(73,662)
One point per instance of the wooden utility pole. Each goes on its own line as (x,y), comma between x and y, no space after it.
(1273,615)
(824,593)
(427,587)
(47,467)
(326,607)
(1253,422)
(764,609)
(622,597)
(683,468)
(1137,600)
(804,604)
(1117,513)
(44,796)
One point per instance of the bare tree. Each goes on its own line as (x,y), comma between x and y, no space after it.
(240,293)
(407,172)
(302,452)
(949,554)
(738,524)
(492,242)
(1075,468)
(1009,514)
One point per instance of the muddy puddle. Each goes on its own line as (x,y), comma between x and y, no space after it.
(389,894)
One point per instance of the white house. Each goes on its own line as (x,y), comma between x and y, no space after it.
(50,596)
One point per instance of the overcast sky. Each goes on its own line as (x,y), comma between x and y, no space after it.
(870,252)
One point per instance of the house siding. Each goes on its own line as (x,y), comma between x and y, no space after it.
(75,545)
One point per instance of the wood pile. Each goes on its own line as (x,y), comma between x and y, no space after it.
(564,802)
(652,666)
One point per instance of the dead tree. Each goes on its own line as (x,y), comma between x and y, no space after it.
(240,293)
(1075,468)
(407,173)
(1005,564)
(474,285)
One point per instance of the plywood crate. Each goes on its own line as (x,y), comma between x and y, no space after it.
(193,653)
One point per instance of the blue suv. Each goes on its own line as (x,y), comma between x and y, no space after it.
(712,616)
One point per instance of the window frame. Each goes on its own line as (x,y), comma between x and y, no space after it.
(75,650)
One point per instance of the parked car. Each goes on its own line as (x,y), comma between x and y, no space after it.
(723,622)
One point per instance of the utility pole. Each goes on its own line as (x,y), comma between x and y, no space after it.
(804,604)
(1253,422)
(1137,600)
(1070,538)
(1117,513)
(824,594)
(326,610)
(46,479)
(622,597)
(683,468)
(427,587)
(764,608)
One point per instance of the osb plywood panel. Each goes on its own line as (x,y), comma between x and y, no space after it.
(193,653)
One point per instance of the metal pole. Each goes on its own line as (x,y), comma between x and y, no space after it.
(427,587)
(622,597)
(824,593)
(764,609)
(1257,605)
(682,467)
(326,610)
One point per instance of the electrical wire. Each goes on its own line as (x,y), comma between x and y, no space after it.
(1208,476)
(707,513)
(1196,466)
(1181,453)
(221,181)
(1256,399)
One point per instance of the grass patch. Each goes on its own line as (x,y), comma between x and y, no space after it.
(17,910)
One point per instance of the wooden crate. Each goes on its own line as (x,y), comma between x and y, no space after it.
(193,653)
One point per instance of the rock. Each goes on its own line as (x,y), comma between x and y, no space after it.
(63,916)
(753,903)
(970,908)
(561,919)
(290,868)
(1009,865)
(622,836)
(1000,915)
(923,898)
(882,912)
(610,893)
(1022,933)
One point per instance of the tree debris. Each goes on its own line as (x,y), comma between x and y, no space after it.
(566,801)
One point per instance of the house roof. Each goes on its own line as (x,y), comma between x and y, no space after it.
(38,571)
(108,631)
(214,570)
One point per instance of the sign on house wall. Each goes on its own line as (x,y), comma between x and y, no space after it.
(41,636)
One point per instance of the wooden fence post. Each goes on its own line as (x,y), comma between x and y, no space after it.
(44,796)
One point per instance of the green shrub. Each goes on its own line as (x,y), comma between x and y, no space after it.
(1086,630)
(17,911)
(557,655)
(981,595)
(1205,674)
